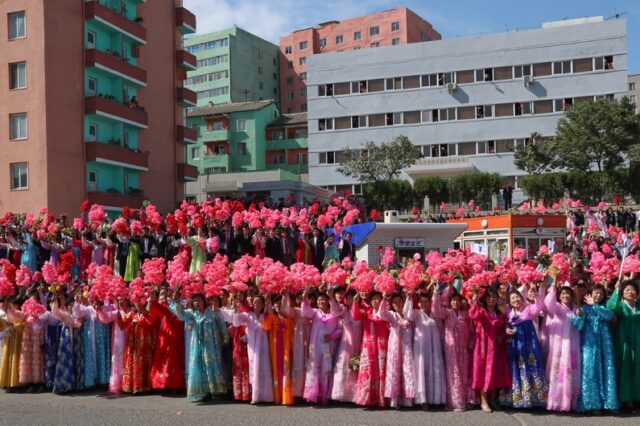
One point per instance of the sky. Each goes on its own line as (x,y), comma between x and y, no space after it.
(271,19)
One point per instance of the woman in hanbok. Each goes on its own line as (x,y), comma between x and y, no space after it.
(98,253)
(53,327)
(28,256)
(304,254)
(563,359)
(132,268)
(258,349)
(373,357)
(10,367)
(322,347)
(399,383)
(279,324)
(139,347)
(96,341)
(70,361)
(108,314)
(207,375)
(259,241)
(490,370)
(167,367)
(429,364)
(197,243)
(345,378)
(458,349)
(31,367)
(599,386)
(529,385)
(301,333)
(624,303)
(239,355)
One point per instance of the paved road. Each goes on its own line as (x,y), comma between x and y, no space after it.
(98,409)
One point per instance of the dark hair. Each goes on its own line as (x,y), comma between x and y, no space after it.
(514,291)
(489,292)
(626,284)
(565,288)
(599,287)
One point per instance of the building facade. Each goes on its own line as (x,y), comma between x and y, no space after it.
(105,123)
(248,148)
(468,102)
(233,66)
(634,90)
(392,27)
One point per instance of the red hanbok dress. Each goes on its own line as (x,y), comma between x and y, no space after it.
(240,362)
(167,367)
(373,356)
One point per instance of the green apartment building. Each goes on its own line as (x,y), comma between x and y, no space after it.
(233,66)
(249,148)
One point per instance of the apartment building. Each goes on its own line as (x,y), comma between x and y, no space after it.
(233,65)
(392,27)
(468,102)
(634,90)
(93,104)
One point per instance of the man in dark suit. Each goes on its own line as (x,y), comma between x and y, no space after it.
(122,251)
(272,246)
(243,242)
(287,248)
(147,241)
(317,248)
(159,248)
(226,236)
(348,249)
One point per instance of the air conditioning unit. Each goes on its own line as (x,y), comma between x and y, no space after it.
(451,87)
(527,80)
(391,216)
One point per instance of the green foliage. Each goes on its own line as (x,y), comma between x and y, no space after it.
(548,187)
(433,187)
(389,195)
(474,186)
(379,162)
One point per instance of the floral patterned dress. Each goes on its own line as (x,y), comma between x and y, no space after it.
(373,357)
(399,384)
(345,378)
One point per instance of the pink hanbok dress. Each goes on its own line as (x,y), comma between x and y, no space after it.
(345,378)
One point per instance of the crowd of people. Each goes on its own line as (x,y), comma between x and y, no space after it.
(263,305)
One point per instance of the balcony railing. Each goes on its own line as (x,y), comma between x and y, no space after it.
(115,199)
(187,97)
(115,65)
(117,21)
(187,135)
(116,155)
(185,21)
(214,135)
(187,172)
(186,60)
(135,116)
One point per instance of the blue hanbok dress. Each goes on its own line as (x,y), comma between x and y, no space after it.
(51,344)
(599,385)
(28,257)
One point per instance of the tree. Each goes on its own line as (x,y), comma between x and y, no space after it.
(475,186)
(433,187)
(379,162)
(548,187)
(533,157)
(389,195)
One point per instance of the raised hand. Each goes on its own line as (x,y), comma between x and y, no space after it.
(588,299)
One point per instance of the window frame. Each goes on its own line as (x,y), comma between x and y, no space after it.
(357,35)
(15,84)
(92,45)
(242,149)
(339,39)
(9,22)
(95,91)
(374,31)
(12,127)
(241,125)
(303,45)
(94,137)
(395,26)
(23,186)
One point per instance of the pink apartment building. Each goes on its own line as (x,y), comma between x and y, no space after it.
(391,27)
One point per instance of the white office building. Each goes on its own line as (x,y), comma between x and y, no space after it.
(467,102)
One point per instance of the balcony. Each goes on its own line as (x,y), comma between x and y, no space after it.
(188,98)
(442,166)
(187,135)
(185,21)
(116,155)
(216,160)
(96,105)
(187,172)
(186,60)
(111,199)
(114,65)
(110,18)
(296,143)
(214,135)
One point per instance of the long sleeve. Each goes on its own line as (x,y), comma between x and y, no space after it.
(476,312)
(106,317)
(408,310)
(531,311)
(614,303)
(64,316)
(550,301)
(181,313)
(307,311)
(385,315)
(602,312)
(336,309)
(227,315)
(579,321)
(358,312)
(81,312)
(269,321)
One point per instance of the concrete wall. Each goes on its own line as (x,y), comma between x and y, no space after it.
(466,53)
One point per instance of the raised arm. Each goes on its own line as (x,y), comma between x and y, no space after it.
(615,303)
(106,317)
(385,315)
(408,311)
(550,302)
(307,311)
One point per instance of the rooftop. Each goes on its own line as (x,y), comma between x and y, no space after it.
(229,108)
(290,120)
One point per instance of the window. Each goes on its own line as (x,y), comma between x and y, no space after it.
(323,42)
(289,81)
(446,114)
(18,75)
(393,83)
(290,96)
(260,55)
(325,90)
(302,60)
(357,35)
(484,75)
(429,80)
(241,125)
(18,126)
(93,132)
(289,65)
(376,44)
(19,176)
(92,87)
(374,31)
(219,150)
(339,39)
(445,78)
(393,118)
(17,25)
(632,99)
(303,92)
(195,153)
(301,158)
(563,104)
(563,67)
(277,159)
(358,121)
(303,45)
(522,108)
(91,40)
(395,26)
(259,70)
(467,148)
(261,85)
(303,107)
(93,180)
(242,148)
(327,157)
(288,50)
(423,36)
(604,63)
(520,71)
(395,42)
(632,87)
(359,86)
(325,124)
(484,111)
(209,62)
